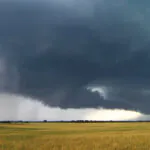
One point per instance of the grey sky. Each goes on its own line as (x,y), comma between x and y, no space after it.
(53,50)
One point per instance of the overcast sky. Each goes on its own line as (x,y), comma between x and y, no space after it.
(53,50)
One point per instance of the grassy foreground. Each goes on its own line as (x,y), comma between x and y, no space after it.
(75,136)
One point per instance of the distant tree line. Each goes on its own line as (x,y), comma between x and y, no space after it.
(8,121)
(72,121)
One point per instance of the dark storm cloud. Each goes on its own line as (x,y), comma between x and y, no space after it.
(57,48)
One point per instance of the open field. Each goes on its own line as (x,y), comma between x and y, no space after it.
(75,136)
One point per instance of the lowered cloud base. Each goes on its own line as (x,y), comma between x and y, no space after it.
(14,107)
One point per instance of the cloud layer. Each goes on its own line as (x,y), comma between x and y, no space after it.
(53,50)
(13,107)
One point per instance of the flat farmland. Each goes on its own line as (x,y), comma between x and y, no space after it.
(75,136)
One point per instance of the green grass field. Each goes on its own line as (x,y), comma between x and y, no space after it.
(75,136)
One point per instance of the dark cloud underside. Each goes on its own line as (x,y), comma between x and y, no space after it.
(53,50)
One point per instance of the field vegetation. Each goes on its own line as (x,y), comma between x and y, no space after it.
(75,136)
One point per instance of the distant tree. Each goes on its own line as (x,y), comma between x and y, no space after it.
(5,121)
(44,120)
